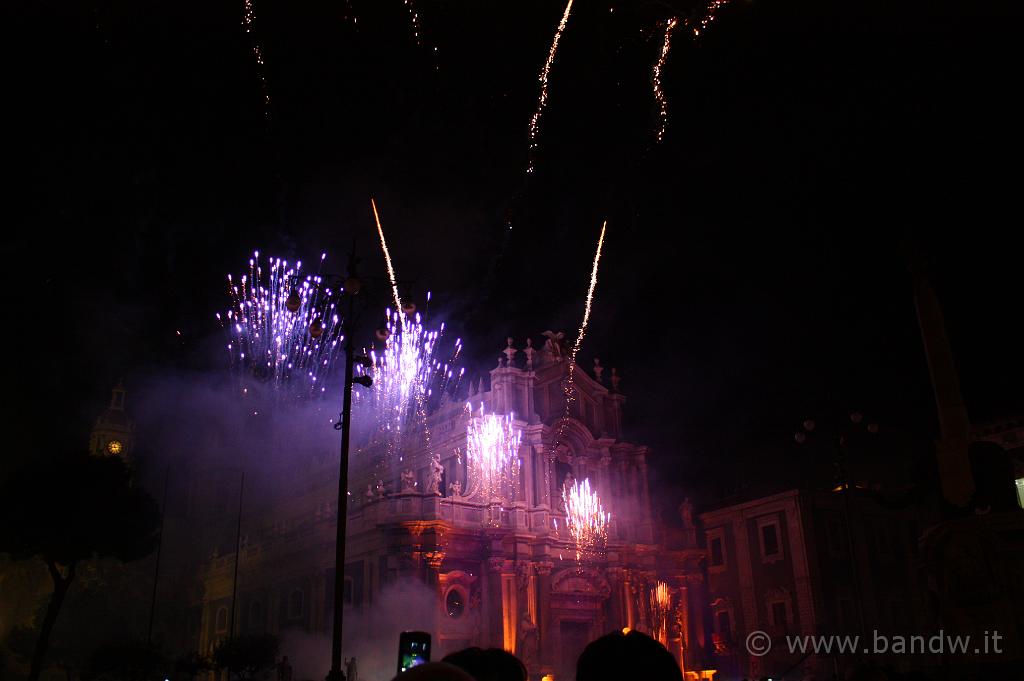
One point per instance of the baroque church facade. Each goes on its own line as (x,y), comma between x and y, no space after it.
(501,572)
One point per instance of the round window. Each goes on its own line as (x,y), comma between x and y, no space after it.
(455,603)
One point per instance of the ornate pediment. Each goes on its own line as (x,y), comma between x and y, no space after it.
(573,581)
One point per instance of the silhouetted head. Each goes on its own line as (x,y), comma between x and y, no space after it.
(434,671)
(493,664)
(619,656)
(994,488)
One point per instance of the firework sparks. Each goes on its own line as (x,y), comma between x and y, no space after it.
(543,99)
(659,92)
(585,517)
(589,301)
(657,71)
(405,375)
(569,389)
(282,328)
(660,604)
(414,19)
(492,452)
(708,17)
(387,258)
(247,16)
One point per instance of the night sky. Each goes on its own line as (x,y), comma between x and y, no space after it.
(755,271)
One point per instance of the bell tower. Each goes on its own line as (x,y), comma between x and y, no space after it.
(113,432)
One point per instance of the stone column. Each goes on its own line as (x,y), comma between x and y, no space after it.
(509,608)
(616,603)
(603,478)
(544,622)
(644,489)
(682,614)
(494,603)
(627,599)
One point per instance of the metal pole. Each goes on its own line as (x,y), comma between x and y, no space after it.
(339,557)
(845,490)
(238,550)
(159,549)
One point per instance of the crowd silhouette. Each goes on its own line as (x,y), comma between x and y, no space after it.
(613,657)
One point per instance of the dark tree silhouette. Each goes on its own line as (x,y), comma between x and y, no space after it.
(64,511)
(246,657)
(192,664)
(126,661)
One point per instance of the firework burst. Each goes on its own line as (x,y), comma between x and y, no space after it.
(492,453)
(406,373)
(282,329)
(542,100)
(585,517)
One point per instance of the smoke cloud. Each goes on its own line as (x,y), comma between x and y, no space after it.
(371,635)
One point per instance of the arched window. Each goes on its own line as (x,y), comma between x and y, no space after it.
(455,602)
(295,603)
(222,619)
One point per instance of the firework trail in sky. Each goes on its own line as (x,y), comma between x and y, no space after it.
(570,390)
(414,19)
(406,371)
(695,27)
(708,17)
(247,17)
(282,329)
(387,258)
(543,99)
(659,93)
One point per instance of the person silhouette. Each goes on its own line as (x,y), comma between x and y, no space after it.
(619,656)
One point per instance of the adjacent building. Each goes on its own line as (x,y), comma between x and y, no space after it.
(800,563)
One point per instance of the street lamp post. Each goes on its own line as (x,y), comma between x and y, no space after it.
(351,288)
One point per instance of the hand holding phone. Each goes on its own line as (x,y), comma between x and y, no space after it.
(413,649)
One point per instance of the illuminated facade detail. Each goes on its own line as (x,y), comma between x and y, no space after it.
(491,539)
(113,433)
